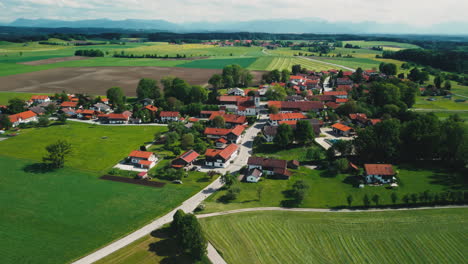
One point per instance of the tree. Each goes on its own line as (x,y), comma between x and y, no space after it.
(189,234)
(276,93)
(376,199)
(43,121)
(438,81)
(298,192)
(296,69)
(232,193)
(341,164)
(216,81)
(198,94)
(414,197)
(388,68)
(116,97)
(259,192)
(304,132)
(56,154)
(219,122)
(176,223)
(228,179)
(148,88)
(50,109)
(16,105)
(285,75)
(187,141)
(284,135)
(5,122)
(349,199)
(406,199)
(273,109)
(366,200)
(345,147)
(171,138)
(394,197)
(447,85)
(177,88)
(313,154)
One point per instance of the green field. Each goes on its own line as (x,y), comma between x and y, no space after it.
(330,191)
(218,63)
(430,236)
(95,148)
(6,96)
(59,216)
(440,103)
(387,45)
(282,62)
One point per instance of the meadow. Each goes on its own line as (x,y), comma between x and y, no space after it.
(330,191)
(6,96)
(59,216)
(387,45)
(425,236)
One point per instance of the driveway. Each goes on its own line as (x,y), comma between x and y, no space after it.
(328,132)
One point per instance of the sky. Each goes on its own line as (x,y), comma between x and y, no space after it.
(411,12)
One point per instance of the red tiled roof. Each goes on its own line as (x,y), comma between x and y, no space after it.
(117,116)
(216,131)
(152,108)
(141,154)
(332,105)
(341,127)
(145,162)
(189,156)
(229,98)
(344,87)
(375,121)
(39,97)
(85,111)
(142,174)
(193,119)
(347,73)
(287,116)
(225,153)
(295,77)
(291,122)
(355,116)
(303,106)
(69,104)
(222,140)
(379,169)
(336,93)
(230,118)
(341,100)
(169,114)
(266,162)
(238,130)
(22,115)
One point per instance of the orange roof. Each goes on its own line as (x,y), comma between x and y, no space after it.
(375,121)
(238,130)
(379,169)
(85,112)
(141,154)
(189,156)
(341,127)
(286,116)
(336,93)
(152,108)
(22,115)
(222,140)
(355,116)
(230,118)
(145,162)
(69,104)
(117,116)
(291,122)
(344,87)
(39,97)
(193,119)
(104,100)
(225,153)
(332,105)
(341,100)
(216,131)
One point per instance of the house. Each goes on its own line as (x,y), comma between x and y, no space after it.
(254,175)
(230,119)
(337,94)
(105,101)
(344,81)
(207,114)
(151,108)
(86,114)
(114,118)
(169,116)
(231,135)
(38,110)
(101,107)
(221,143)
(69,112)
(379,173)
(39,99)
(23,118)
(344,87)
(297,106)
(142,159)
(358,118)
(342,130)
(270,166)
(185,160)
(221,157)
(68,104)
(247,106)
(269,133)
(276,118)
(236,91)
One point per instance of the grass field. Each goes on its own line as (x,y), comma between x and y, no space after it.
(329,191)
(440,103)
(6,96)
(218,63)
(59,216)
(283,62)
(95,148)
(387,45)
(431,236)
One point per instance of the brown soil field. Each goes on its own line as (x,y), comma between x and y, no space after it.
(96,80)
(54,60)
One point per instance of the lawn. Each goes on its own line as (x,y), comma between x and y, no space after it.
(59,216)
(430,236)
(387,45)
(95,147)
(270,150)
(440,103)
(6,96)
(329,191)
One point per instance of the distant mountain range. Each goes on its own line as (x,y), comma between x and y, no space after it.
(268,26)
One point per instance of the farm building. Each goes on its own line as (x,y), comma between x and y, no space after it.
(297,106)
(230,119)
(23,118)
(39,99)
(379,173)
(221,157)
(169,116)
(231,135)
(275,119)
(270,166)
(254,175)
(185,160)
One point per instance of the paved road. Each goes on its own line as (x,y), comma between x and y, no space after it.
(187,206)
(323,210)
(333,64)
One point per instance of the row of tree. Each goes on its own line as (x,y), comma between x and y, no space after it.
(302,134)
(90,53)
(232,76)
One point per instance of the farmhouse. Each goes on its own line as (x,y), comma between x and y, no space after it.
(236,91)
(38,110)
(68,104)
(297,106)
(275,119)
(221,157)
(185,160)
(254,175)
(230,119)
(142,159)
(114,118)
(337,94)
(85,114)
(342,130)
(39,99)
(246,106)
(231,135)
(379,173)
(104,108)
(169,116)
(270,166)
(23,118)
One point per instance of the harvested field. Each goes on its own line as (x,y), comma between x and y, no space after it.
(54,60)
(96,80)
(133,181)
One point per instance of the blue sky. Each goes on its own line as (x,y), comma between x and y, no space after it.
(413,12)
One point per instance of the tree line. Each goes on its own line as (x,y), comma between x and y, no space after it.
(90,53)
